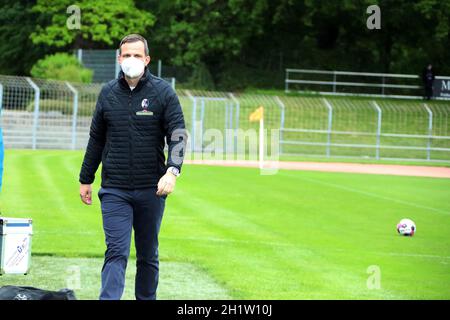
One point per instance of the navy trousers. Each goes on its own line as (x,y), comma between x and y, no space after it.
(122,211)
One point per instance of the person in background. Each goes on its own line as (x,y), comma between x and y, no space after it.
(428,80)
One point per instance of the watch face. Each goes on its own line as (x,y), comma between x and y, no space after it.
(175,171)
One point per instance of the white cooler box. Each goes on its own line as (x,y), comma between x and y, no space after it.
(15,245)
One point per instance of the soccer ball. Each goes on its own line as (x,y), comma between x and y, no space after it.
(406,227)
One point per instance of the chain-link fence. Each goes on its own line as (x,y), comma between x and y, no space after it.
(379,129)
(105,66)
(103,63)
(46,114)
(56,115)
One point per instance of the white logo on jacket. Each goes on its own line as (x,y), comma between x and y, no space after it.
(144,104)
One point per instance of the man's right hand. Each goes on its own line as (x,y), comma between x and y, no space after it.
(86,193)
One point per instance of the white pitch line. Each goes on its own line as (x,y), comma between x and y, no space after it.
(212,239)
(280,244)
(374,195)
(267,243)
(68,232)
(414,255)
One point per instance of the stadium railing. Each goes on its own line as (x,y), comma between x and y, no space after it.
(348,83)
(49,114)
(105,67)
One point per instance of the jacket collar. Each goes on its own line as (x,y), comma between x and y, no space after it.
(145,77)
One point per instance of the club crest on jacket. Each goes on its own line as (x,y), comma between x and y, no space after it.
(144,104)
(144,112)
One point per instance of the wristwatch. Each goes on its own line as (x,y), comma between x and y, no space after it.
(174,171)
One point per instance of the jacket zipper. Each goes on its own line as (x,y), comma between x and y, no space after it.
(130,137)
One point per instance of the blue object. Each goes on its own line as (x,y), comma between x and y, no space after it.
(18,225)
(1,138)
(1,158)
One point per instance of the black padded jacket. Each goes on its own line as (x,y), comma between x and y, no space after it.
(128,130)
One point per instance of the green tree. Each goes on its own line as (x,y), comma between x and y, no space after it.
(17,51)
(207,31)
(102,23)
(61,66)
(249,40)
(322,34)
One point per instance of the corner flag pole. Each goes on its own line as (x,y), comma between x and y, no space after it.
(261,143)
(256,115)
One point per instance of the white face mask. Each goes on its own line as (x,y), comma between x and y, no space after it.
(132,67)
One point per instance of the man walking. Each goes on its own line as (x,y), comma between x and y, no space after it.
(133,115)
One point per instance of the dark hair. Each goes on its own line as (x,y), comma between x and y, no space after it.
(134,38)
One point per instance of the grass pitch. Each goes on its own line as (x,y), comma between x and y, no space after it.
(233,232)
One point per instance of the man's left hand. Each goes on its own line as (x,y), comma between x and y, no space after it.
(166,184)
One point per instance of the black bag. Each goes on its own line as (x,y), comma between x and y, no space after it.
(30,293)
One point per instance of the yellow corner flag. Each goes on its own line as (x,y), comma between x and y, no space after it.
(257,115)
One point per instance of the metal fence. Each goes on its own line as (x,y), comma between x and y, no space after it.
(378,129)
(45,114)
(103,63)
(105,67)
(356,83)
